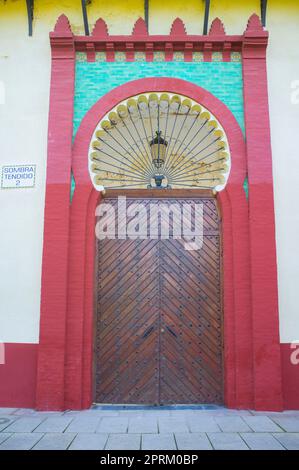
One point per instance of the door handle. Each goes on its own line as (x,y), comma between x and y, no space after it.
(147,332)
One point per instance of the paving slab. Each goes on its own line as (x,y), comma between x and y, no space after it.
(48,414)
(113,424)
(289,440)
(156,429)
(266,413)
(142,424)
(277,414)
(157,413)
(24,424)
(261,441)
(222,412)
(20,441)
(227,441)
(83,424)
(6,420)
(288,424)
(294,413)
(98,413)
(158,442)
(232,424)
(131,414)
(261,424)
(24,412)
(203,423)
(194,441)
(123,442)
(7,411)
(4,436)
(89,441)
(54,441)
(51,425)
(172,424)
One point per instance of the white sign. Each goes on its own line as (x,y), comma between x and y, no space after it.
(18,176)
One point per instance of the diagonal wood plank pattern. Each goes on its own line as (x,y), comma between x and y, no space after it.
(159,314)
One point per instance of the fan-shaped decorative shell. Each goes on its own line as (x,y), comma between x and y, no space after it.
(195,150)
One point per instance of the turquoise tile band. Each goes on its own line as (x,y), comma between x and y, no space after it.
(95,79)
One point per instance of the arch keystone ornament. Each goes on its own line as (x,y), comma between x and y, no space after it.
(252,368)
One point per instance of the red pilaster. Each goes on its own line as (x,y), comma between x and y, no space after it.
(78,351)
(110,54)
(207,51)
(168,51)
(130,56)
(267,361)
(50,382)
(149,51)
(227,51)
(90,52)
(229,332)
(242,322)
(188,49)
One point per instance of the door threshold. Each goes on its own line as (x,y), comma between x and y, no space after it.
(107,406)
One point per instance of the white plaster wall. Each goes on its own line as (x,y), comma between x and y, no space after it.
(25,75)
(283,70)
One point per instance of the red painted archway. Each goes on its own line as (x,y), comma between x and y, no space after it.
(69,337)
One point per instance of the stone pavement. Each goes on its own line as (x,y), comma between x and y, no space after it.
(148,429)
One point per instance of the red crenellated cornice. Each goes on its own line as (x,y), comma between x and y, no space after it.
(62,39)
(255,39)
(252,42)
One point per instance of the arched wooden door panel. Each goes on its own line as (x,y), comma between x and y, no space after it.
(159,314)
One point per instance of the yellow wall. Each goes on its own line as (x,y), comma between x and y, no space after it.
(120,15)
(47,12)
(163,13)
(234,13)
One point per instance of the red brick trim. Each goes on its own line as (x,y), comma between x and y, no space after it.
(265,321)
(290,375)
(18,375)
(50,374)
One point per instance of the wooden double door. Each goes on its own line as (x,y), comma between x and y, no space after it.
(158,314)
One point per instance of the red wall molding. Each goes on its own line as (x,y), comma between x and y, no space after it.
(290,375)
(265,321)
(252,351)
(18,375)
(50,380)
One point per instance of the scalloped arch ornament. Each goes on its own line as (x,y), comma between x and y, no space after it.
(159,140)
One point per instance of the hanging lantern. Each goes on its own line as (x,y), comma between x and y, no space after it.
(158,150)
